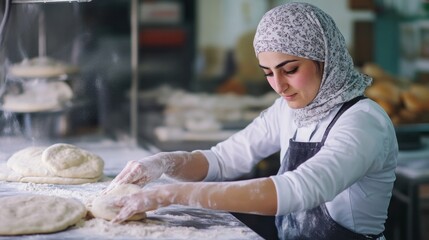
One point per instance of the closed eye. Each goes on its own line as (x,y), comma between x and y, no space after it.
(270,74)
(294,70)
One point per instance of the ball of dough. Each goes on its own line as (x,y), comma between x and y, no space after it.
(66,160)
(101,207)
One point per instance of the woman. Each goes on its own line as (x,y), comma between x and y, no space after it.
(338,149)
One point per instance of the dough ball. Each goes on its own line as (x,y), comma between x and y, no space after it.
(41,67)
(101,206)
(66,160)
(33,214)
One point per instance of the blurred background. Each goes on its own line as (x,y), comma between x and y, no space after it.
(182,74)
(192,57)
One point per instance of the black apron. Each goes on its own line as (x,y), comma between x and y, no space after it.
(316,223)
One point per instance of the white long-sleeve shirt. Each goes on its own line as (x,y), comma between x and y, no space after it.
(353,173)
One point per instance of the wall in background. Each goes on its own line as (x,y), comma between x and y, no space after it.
(221,22)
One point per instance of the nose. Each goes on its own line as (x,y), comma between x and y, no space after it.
(280,83)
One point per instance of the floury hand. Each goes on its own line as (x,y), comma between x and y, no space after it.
(149,168)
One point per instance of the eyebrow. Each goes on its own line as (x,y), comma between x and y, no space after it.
(280,64)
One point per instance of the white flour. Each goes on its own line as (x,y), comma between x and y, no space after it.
(85,192)
(150,229)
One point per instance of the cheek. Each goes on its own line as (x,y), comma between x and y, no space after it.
(302,81)
(307,80)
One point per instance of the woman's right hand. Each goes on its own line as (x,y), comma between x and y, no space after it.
(148,169)
(140,172)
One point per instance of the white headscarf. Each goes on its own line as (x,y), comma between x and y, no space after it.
(303,30)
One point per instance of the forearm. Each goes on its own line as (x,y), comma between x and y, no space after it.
(256,196)
(191,166)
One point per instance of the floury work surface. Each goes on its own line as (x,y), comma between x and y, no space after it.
(173,222)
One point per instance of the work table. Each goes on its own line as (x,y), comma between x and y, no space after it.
(173,222)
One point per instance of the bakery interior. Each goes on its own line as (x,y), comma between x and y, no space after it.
(130,78)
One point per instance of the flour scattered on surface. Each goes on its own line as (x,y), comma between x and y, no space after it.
(84,192)
(150,229)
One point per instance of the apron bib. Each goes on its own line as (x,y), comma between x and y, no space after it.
(316,223)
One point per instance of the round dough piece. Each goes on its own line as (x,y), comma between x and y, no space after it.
(41,67)
(66,160)
(101,206)
(43,96)
(33,214)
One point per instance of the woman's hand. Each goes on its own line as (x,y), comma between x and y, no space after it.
(179,165)
(137,172)
(148,199)
(143,201)
(142,172)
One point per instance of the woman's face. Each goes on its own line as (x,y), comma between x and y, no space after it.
(296,79)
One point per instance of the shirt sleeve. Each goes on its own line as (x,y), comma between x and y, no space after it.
(358,144)
(238,154)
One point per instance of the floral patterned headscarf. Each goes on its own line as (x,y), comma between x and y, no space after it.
(303,30)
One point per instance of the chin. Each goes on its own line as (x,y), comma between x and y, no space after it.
(294,105)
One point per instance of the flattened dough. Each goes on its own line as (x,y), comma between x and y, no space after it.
(67,160)
(6,174)
(101,206)
(32,214)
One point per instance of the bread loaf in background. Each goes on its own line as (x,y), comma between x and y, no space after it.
(405,101)
(416,98)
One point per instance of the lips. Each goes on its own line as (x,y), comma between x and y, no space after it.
(290,96)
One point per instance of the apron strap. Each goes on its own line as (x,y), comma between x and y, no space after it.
(343,108)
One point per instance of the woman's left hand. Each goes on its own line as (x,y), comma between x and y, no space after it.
(140,202)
